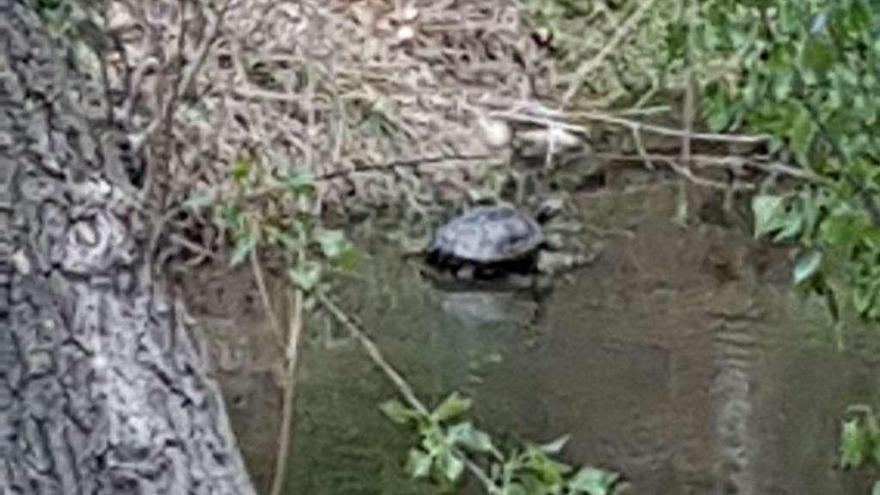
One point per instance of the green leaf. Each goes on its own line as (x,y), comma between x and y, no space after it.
(819,20)
(333,243)
(453,406)
(801,135)
(450,465)
(593,481)
(419,463)
(240,168)
(244,244)
(807,264)
(818,55)
(547,469)
(305,275)
(300,180)
(397,412)
(230,215)
(676,40)
(853,444)
(863,298)
(875,450)
(471,438)
(534,485)
(555,446)
(348,259)
(769,213)
(791,226)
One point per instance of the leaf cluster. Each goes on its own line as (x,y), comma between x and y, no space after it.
(310,249)
(445,450)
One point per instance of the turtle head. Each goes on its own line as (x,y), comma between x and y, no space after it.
(548,209)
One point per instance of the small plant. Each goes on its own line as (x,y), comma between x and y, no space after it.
(860,440)
(267,212)
(311,250)
(446,448)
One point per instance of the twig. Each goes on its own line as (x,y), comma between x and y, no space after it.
(264,294)
(686,173)
(550,119)
(729,161)
(182,241)
(188,76)
(296,325)
(687,116)
(402,386)
(375,354)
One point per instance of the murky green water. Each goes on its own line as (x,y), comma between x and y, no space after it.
(679,358)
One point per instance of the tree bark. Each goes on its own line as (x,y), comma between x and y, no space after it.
(104,386)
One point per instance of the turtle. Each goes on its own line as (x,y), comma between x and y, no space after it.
(489,241)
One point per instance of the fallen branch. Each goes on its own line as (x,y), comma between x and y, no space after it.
(549,118)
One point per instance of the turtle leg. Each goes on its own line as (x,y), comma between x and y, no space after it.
(519,183)
(486,272)
(466,271)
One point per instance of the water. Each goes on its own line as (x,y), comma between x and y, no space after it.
(680,359)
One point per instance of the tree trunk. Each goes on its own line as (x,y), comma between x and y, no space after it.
(103,380)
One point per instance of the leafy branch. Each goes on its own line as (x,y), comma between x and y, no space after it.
(446,450)
(309,251)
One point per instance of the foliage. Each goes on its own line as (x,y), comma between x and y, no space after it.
(803,72)
(860,440)
(445,450)
(310,249)
(806,76)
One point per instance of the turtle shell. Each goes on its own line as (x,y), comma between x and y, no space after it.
(488,235)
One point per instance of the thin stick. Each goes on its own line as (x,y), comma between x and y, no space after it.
(296,324)
(549,119)
(688,116)
(730,161)
(214,21)
(402,386)
(264,295)
(373,351)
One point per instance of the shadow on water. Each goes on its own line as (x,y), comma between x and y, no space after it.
(679,358)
